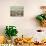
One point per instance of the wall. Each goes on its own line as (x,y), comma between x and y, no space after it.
(26,25)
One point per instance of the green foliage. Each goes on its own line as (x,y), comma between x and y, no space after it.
(41,17)
(11,31)
(45,17)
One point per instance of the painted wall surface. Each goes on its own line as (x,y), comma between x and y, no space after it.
(26,25)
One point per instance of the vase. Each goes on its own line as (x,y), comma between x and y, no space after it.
(9,41)
(13,38)
(43,23)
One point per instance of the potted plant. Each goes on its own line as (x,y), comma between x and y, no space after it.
(42,17)
(10,31)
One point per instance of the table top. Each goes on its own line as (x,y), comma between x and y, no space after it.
(31,45)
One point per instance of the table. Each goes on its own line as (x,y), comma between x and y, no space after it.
(25,44)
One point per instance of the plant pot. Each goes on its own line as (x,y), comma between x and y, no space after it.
(13,38)
(43,23)
(9,41)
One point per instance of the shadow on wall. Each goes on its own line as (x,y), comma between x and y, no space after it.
(33,21)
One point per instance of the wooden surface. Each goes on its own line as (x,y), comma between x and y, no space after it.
(30,45)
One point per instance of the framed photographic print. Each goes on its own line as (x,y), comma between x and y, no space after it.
(17,11)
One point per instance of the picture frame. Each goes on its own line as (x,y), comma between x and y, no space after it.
(17,11)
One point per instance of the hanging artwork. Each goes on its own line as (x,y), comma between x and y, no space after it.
(17,11)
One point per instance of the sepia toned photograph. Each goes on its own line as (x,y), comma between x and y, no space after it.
(17,11)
